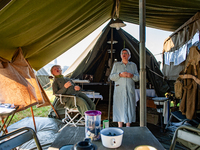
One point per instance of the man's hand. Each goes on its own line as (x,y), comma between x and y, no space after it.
(77,88)
(68,84)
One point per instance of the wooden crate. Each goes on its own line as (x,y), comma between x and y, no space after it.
(152,118)
(150,103)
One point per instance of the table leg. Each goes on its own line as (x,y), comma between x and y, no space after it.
(97,101)
(161,113)
(161,121)
(4,126)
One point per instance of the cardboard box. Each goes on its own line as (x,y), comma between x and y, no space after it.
(152,118)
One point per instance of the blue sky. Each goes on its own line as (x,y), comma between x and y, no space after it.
(154,42)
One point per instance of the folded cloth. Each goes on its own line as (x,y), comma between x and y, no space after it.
(7,105)
(6,110)
(166,111)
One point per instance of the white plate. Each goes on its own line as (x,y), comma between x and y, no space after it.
(145,147)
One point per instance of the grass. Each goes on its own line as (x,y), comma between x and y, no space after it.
(38,112)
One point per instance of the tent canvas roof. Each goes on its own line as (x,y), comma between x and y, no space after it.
(45,30)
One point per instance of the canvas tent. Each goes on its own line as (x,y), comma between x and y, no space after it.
(19,85)
(17,77)
(97,61)
(43,77)
(180,39)
(45,30)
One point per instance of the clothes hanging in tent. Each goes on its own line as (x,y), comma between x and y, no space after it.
(190,102)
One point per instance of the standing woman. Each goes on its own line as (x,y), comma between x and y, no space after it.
(125,74)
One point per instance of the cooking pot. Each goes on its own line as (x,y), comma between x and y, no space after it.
(111,137)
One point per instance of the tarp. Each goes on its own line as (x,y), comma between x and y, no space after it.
(47,130)
(18,83)
(97,60)
(46,29)
(176,40)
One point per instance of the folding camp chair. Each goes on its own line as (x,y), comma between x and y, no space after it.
(69,120)
(180,117)
(186,133)
(18,137)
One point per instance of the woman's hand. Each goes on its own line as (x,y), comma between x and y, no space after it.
(77,88)
(68,84)
(123,74)
(129,75)
(126,75)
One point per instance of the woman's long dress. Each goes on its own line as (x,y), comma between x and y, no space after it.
(124,103)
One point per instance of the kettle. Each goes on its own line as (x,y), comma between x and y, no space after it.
(84,145)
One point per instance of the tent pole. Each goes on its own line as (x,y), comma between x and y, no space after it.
(45,95)
(142,24)
(110,83)
(33,119)
(54,111)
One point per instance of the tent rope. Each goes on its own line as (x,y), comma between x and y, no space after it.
(46,85)
(156,73)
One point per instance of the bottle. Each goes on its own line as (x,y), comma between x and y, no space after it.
(105,124)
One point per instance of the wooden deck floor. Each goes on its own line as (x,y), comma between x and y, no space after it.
(163,137)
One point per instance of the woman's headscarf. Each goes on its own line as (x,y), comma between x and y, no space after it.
(126,49)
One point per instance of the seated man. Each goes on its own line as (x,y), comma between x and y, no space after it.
(63,85)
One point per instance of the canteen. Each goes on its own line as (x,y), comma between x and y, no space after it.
(111,137)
